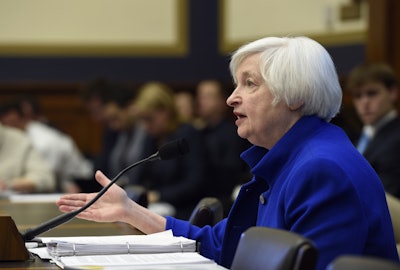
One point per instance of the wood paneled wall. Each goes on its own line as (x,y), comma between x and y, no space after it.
(383,42)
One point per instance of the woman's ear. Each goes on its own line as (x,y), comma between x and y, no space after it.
(297,105)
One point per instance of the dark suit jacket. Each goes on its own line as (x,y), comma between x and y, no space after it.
(383,153)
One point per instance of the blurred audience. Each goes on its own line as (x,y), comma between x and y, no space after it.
(374,89)
(225,167)
(185,103)
(21,168)
(56,148)
(95,95)
(180,182)
(131,140)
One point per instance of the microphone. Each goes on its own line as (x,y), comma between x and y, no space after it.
(169,150)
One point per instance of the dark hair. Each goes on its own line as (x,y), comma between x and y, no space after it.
(108,91)
(30,100)
(9,106)
(121,95)
(99,88)
(372,72)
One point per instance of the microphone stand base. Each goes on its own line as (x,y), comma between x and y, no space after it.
(12,246)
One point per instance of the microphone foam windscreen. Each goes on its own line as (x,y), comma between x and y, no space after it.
(173,149)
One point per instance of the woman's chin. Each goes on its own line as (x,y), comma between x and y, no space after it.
(242,133)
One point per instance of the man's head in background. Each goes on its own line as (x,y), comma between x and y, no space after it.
(374,90)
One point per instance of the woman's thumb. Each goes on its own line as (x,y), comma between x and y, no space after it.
(101,178)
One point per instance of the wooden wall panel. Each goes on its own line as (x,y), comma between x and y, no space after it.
(383,40)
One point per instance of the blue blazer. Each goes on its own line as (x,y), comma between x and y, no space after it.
(312,182)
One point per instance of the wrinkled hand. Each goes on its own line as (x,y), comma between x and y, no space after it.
(111,207)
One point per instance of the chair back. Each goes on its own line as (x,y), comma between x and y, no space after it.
(352,262)
(394,210)
(263,248)
(209,211)
(137,193)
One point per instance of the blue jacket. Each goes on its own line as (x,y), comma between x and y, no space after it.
(313,182)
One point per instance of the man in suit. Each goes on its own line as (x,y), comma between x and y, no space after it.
(374,90)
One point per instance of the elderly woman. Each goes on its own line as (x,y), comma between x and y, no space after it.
(308,177)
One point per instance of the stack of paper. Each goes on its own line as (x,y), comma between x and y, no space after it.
(187,259)
(121,252)
(163,242)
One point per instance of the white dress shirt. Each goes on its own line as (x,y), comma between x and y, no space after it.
(60,152)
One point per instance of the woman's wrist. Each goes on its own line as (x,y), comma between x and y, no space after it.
(143,219)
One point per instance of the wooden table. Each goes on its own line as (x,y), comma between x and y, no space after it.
(30,214)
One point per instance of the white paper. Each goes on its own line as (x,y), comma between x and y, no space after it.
(134,260)
(163,242)
(28,198)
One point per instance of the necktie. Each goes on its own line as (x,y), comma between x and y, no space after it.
(363,142)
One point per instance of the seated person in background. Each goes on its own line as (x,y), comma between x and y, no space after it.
(131,139)
(21,167)
(95,94)
(180,182)
(185,103)
(225,168)
(374,89)
(56,148)
(307,176)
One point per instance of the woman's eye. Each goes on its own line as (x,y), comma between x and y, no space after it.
(249,83)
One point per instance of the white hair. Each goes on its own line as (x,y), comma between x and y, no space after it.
(297,70)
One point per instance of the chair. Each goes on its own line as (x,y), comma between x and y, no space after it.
(394,210)
(263,248)
(352,262)
(208,211)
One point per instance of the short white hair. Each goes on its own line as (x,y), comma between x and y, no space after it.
(296,70)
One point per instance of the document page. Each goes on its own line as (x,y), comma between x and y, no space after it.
(105,245)
(163,242)
(133,260)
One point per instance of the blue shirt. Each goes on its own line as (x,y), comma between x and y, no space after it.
(312,182)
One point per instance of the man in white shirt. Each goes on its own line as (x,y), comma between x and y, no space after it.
(56,148)
(21,167)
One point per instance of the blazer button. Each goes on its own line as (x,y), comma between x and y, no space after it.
(262,199)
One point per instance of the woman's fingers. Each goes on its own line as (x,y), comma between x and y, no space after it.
(68,208)
(72,200)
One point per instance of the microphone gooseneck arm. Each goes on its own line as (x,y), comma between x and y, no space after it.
(170,150)
(50,224)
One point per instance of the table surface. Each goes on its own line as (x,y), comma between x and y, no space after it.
(30,214)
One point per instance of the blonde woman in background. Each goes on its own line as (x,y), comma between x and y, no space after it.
(179,182)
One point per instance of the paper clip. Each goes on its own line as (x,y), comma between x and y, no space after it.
(73,249)
(127,245)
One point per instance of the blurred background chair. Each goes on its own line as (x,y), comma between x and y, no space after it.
(394,209)
(137,193)
(209,211)
(351,262)
(263,248)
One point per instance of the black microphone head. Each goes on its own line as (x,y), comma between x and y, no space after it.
(173,149)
